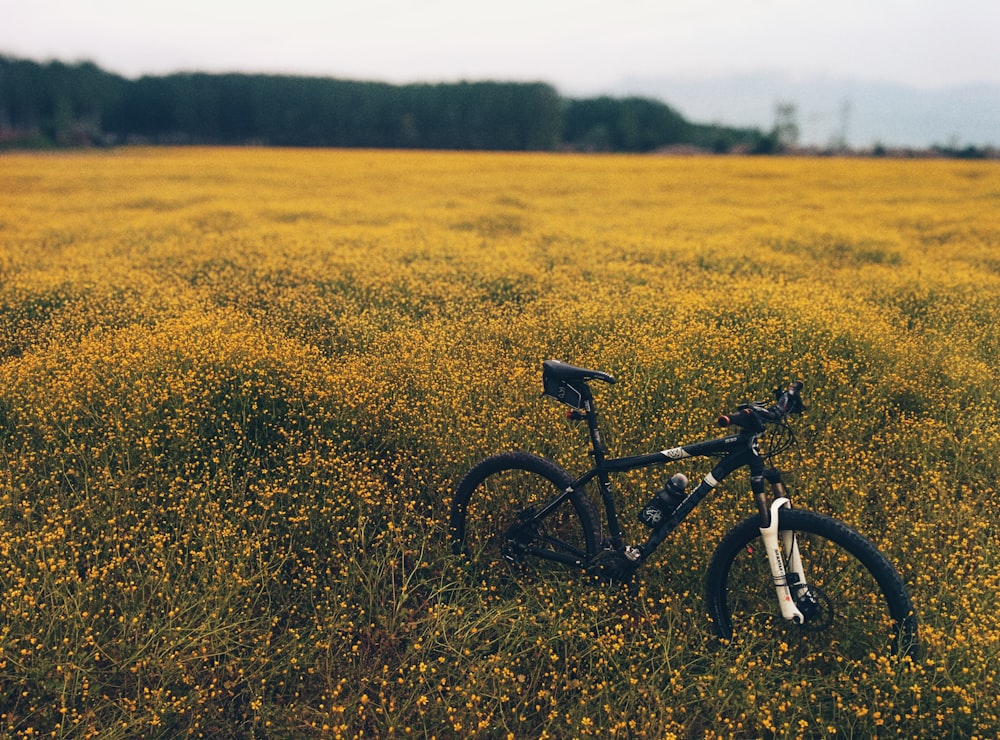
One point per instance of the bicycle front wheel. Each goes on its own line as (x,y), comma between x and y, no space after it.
(855,603)
(493,515)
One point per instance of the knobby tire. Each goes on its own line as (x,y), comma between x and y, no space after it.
(496,495)
(864,607)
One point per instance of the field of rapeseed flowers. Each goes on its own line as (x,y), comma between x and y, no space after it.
(237,388)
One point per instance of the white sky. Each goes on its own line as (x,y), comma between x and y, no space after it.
(578,45)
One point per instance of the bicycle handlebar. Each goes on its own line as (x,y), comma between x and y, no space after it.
(755,415)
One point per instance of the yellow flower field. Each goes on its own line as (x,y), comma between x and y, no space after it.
(237,388)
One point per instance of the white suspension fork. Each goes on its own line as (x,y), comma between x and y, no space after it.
(783,575)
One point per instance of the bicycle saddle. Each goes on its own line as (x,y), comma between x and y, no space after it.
(563,371)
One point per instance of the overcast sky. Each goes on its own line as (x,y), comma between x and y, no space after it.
(580,46)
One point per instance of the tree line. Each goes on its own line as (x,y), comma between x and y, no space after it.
(57,104)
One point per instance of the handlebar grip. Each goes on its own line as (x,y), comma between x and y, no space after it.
(739,418)
(755,415)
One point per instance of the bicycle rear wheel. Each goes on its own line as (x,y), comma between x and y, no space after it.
(492,515)
(856,603)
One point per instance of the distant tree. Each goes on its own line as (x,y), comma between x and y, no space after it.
(302,111)
(724,139)
(629,124)
(55,104)
(481,115)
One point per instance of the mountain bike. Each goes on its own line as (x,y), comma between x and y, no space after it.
(809,580)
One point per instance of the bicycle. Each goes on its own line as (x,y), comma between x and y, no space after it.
(815,581)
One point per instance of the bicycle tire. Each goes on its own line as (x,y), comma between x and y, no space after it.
(491,497)
(863,605)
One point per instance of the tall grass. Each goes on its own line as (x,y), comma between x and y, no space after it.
(237,388)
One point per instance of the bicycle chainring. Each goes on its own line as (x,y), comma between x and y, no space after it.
(612,566)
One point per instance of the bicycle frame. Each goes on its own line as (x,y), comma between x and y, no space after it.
(737,451)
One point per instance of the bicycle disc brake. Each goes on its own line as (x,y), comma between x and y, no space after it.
(815,605)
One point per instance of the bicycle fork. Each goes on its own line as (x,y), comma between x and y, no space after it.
(779,546)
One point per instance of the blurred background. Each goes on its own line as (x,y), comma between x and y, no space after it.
(833,76)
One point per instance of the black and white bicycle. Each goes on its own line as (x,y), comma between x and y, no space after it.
(812,580)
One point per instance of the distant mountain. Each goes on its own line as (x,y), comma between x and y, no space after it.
(829,110)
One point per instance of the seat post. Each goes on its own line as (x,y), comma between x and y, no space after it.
(597,442)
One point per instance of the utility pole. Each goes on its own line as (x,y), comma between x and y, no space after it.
(839,140)
(786,126)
